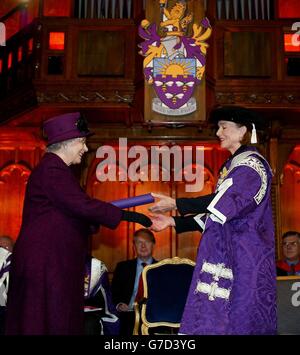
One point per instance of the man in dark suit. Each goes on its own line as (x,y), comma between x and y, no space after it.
(125,283)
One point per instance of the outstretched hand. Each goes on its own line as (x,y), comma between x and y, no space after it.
(136,217)
(164,204)
(161,222)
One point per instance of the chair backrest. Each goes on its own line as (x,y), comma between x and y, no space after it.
(288,305)
(166,286)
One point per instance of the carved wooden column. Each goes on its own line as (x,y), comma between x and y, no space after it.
(273,160)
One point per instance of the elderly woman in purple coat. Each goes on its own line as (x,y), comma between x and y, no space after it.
(233,289)
(46,292)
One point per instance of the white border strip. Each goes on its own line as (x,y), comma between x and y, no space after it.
(211,208)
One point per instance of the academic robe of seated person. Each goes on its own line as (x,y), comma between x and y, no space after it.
(5,259)
(283,268)
(45,295)
(100,313)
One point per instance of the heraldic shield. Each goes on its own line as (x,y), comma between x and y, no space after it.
(174,80)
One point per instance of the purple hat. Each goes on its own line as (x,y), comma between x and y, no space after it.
(64,127)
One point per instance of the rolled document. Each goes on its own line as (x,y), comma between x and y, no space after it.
(133,201)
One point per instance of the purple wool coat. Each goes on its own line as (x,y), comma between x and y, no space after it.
(46,291)
(233,289)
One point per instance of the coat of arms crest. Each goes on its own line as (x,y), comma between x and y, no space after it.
(174,62)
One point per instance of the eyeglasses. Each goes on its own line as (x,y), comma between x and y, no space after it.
(140,242)
(292,244)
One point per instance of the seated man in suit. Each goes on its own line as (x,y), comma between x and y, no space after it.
(125,283)
(290,264)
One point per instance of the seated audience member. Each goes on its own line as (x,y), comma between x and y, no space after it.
(100,313)
(126,279)
(7,243)
(290,264)
(6,247)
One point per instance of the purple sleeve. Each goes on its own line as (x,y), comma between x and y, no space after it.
(66,194)
(237,195)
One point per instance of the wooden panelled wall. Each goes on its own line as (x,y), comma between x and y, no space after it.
(290,192)
(20,151)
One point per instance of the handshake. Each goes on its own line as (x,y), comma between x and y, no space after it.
(162,205)
(156,221)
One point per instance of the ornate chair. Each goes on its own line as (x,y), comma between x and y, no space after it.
(166,285)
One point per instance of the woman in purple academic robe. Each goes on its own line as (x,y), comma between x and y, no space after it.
(46,291)
(233,289)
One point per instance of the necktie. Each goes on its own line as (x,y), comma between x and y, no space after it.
(140,291)
(293,272)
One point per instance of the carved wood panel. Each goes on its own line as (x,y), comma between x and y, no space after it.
(101,53)
(290,192)
(20,151)
(240,49)
(13,179)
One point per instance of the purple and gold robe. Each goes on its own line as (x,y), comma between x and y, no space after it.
(45,295)
(233,289)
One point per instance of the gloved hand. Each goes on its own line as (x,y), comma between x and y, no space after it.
(136,217)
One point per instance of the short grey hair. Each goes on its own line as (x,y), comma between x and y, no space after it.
(55,147)
(146,231)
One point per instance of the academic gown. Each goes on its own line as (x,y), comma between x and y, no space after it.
(233,289)
(283,268)
(46,293)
